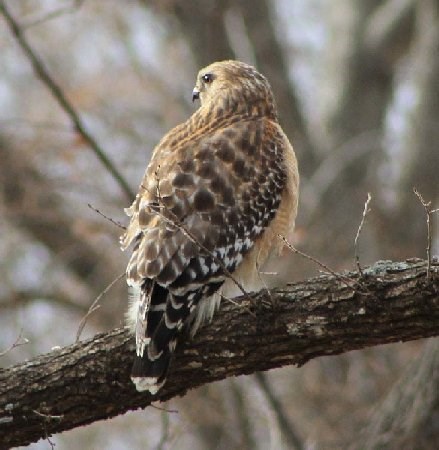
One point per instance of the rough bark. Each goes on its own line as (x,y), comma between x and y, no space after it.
(89,381)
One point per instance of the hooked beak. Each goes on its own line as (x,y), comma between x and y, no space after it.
(195,94)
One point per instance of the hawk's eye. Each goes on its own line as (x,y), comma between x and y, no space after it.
(207,78)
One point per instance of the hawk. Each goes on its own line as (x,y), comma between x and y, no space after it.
(217,191)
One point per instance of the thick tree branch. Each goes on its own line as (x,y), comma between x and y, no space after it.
(89,381)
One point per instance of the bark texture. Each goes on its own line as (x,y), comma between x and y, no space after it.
(89,381)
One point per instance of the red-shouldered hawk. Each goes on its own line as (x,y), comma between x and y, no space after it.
(218,190)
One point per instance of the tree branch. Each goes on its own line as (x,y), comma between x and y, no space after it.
(43,74)
(89,381)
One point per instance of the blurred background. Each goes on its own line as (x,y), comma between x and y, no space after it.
(357,86)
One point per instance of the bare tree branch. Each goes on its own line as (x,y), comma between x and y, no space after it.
(89,381)
(95,306)
(350,283)
(428,212)
(357,236)
(43,73)
(19,341)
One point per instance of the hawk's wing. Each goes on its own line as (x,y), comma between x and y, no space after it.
(203,200)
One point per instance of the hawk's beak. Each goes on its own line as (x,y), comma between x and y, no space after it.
(195,94)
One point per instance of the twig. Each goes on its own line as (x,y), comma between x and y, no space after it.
(230,301)
(285,425)
(347,281)
(51,443)
(42,72)
(428,213)
(363,218)
(258,271)
(106,217)
(176,222)
(16,343)
(94,306)
(226,272)
(48,416)
(160,408)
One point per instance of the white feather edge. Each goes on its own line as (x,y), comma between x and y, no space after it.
(147,384)
(133,306)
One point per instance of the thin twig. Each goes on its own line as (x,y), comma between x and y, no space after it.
(428,213)
(106,217)
(176,222)
(48,416)
(226,272)
(345,280)
(43,74)
(223,297)
(94,306)
(239,305)
(51,443)
(160,408)
(356,245)
(258,271)
(16,344)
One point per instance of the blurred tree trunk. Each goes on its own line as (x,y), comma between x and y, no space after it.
(362,76)
(420,153)
(34,205)
(408,416)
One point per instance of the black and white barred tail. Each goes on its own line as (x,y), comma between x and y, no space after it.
(159,317)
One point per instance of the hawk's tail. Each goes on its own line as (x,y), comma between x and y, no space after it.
(150,375)
(159,323)
(156,336)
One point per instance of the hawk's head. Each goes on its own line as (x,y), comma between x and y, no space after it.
(232,85)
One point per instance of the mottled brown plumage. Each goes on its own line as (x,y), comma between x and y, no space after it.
(218,189)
